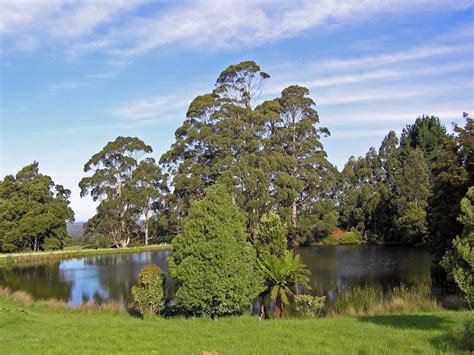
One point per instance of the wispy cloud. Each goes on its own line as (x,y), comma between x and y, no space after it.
(398,92)
(60,18)
(155,109)
(356,134)
(388,116)
(92,26)
(396,57)
(348,72)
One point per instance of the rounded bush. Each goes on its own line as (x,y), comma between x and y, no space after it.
(308,306)
(149,295)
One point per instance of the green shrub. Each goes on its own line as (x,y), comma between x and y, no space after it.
(308,306)
(148,295)
(68,241)
(467,336)
(352,237)
(330,241)
(96,241)
(214,266)
(270,236)
(51,244)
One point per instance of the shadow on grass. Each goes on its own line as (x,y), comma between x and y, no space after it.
(133,312)
(447,342)
(408,321)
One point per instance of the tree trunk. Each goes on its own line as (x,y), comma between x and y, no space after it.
(262,308)
(293,214)
(146,226)
(279,307)
(294,172)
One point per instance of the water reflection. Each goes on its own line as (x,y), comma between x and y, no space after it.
(41,281)
(110,277)
(339,267)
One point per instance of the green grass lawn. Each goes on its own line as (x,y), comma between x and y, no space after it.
(37,328)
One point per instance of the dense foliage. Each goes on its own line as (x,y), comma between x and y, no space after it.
(149,294)
(270,236)
(409,192)
(260,174)
(459,260)
(127,186)
(453,174)
(308,306)
(33,212)
(269,157)
(214,266)
(282,275)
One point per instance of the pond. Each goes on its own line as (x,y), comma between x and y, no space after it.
(110,277)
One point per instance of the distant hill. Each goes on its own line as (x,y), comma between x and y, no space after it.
(75,229)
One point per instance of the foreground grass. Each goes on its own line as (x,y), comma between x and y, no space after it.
(72,252)
(41,328)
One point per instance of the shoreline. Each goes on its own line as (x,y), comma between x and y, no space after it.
(19,258)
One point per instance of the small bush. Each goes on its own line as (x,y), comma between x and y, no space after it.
(340,237)
(467,336)
(51,244)
(352,237)
(330,241)
(308,306)
(148,295)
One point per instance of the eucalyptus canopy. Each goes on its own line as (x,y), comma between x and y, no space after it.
(33,211)
(125,181)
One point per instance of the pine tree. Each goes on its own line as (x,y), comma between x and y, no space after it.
(213,264)
(413,200)
(453,173)
(459,260)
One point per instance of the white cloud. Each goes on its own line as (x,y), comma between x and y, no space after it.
(61,18)
(396,57)
(155,109)
(204,23)
(354,134)
(355,75)
(388,116)
(113,26)
(392,93)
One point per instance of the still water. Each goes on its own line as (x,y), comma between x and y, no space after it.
(110,277)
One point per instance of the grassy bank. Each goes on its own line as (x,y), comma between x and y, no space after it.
(340,237)
(72,252)
(29,327)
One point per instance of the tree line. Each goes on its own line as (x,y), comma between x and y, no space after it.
(270,159)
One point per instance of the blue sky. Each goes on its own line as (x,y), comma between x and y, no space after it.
(75,75)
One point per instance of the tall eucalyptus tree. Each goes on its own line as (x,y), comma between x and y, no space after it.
(113,184)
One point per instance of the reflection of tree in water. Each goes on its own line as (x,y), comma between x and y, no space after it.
(41,281)
(341,267)
(110,277)
(118,273)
